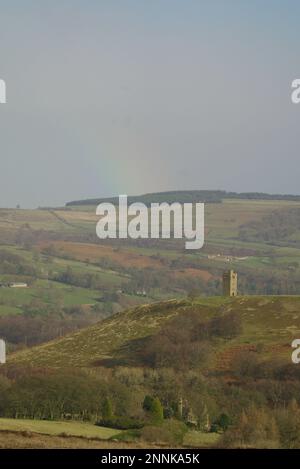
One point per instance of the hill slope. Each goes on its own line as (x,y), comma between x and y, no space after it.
(269,321)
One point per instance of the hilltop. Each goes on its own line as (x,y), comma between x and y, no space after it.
(187,196)
(269,324)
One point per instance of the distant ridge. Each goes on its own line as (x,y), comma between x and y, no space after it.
(207,196)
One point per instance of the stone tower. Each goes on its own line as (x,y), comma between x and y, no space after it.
(230,283)
(2,352)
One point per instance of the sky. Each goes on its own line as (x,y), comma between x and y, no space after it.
(108,97)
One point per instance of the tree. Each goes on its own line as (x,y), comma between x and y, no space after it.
(223,422)
(288,421)
(147,403)
(255,428)
(157,411)
(107,409)
(154,408)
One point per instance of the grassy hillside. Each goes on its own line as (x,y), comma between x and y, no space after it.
(269,323)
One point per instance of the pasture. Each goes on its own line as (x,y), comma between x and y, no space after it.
(57,428)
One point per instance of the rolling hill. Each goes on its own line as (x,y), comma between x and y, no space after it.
(187,196)
(269,324)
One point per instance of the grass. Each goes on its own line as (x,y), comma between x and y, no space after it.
(57,428)
(195,439)
(23,440)
(104,340)
(47,292)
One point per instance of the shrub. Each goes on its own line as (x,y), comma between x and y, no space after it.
(221,423)
(107,409)
(169,432)
(121,423)
(153,407)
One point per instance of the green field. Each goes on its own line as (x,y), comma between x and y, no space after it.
(13,299)
(195,439)
(81,429)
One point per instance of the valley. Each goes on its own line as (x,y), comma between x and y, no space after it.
(136,338)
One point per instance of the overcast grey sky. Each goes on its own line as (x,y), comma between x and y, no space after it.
(130,96)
